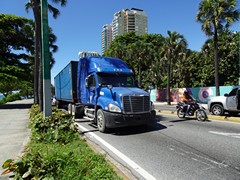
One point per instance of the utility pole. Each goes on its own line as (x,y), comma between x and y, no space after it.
(239,60)
(47,104)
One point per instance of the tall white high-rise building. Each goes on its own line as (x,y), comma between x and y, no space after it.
(125,21)
(106,36)
(130,20)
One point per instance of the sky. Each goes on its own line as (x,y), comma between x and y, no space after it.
(79,26)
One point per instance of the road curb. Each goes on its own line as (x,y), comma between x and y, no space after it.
(210,117)
(120,169)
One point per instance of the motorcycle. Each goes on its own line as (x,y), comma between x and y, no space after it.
(195,108)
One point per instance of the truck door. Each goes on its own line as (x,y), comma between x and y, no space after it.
(232,100)
(91,83)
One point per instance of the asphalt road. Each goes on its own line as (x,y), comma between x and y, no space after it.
(173,148)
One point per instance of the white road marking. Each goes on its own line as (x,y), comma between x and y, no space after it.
(234,135)
(131,163)
(197,157)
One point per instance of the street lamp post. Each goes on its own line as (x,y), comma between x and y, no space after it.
(47,104)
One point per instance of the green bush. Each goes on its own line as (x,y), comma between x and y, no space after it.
(56,128)
(13,97)
(10,98)
(2,101)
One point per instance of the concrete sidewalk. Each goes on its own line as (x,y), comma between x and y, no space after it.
(14,131)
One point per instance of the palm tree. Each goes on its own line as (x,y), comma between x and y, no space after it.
(172,48)
(140,52)
(38,83)
(216,16)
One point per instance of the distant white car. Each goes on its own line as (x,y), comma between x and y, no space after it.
(218,105)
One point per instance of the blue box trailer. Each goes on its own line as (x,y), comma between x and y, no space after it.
(104,90)
(66,84)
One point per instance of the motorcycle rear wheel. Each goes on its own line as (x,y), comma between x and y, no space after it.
(180,113)
(201,115)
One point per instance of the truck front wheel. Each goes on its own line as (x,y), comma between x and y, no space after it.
(101,122)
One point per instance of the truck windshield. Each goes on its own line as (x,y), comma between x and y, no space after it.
(116,80)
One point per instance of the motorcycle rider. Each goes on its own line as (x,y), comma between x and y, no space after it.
(187,99)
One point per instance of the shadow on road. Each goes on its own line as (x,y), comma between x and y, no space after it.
(184,119)
(137,129)
(16,106)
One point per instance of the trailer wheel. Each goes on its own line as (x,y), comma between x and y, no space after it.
(77,111)
(101,122)
(59,104)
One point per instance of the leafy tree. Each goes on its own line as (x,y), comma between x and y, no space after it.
(183,73)
(228,59)
(153,71)
(173,47)
(140,52)
(188,68)
(16,49)
(215,16)
(16,45)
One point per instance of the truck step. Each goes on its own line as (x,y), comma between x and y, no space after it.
(88,118)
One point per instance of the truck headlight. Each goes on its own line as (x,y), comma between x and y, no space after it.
(113,108)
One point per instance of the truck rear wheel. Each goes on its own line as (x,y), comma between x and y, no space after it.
(101,122)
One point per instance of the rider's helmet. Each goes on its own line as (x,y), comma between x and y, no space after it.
(185,92)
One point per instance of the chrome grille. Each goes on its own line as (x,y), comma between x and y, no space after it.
(135,104)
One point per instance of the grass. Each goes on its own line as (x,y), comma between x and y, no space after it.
(56,152)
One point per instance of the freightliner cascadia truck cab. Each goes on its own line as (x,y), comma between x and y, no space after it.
(103,89)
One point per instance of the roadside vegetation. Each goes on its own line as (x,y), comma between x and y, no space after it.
(10,98)
(56,151)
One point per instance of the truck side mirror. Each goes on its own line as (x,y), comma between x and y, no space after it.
(150,87)
(109,87)
(238,92)
(86,83)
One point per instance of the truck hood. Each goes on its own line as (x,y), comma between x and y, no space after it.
(123,91)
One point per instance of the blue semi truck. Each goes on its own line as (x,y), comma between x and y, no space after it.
(103,89)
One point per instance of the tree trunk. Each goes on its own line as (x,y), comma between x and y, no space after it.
(216,60)
(36,65)
(38,87)
(168,84)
